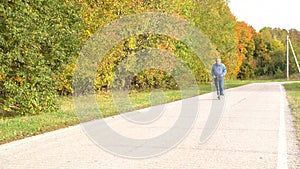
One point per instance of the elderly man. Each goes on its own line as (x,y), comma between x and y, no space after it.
(218,72)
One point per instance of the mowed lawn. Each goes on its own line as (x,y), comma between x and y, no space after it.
(293,94)
(14,128)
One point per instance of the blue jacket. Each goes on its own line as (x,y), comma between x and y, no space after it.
(218,70)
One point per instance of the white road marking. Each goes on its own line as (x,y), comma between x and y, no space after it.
(282,147)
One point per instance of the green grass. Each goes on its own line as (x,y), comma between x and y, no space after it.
(13,128)
(293,94)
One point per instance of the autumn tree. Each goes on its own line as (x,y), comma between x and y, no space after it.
(215,19)
(245,50)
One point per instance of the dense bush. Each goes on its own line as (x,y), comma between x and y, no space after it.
(38,41)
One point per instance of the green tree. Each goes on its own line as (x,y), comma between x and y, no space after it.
(272,60)
(38,40)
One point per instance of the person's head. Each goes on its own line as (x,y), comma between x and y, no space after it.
(218,61)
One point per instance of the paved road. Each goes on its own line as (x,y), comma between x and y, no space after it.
(256,131)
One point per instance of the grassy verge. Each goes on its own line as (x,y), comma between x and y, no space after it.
(293,94)
(13,128)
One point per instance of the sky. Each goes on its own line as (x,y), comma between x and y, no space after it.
(284,14)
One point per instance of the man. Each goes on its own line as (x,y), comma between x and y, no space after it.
(218,72)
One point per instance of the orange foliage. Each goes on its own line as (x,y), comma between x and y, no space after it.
(245,36)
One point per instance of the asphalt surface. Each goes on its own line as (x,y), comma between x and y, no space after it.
(255,130)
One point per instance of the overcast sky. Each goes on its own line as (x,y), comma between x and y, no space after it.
(284,14)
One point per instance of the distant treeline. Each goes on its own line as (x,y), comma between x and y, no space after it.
(40,42)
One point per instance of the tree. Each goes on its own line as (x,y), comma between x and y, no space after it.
(215,19)
(112,10)
(273,58)
(38,40)
(295,39)
(246,48)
